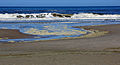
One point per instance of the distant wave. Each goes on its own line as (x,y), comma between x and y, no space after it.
(57,16)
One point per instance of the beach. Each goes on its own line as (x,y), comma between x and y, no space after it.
(12,34)
(99,50)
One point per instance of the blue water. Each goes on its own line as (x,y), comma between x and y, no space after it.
(54,29)
(63,10)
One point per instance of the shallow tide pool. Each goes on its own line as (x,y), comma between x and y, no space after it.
(49,31)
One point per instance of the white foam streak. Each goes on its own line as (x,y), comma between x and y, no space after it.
(49,16)
(94,16)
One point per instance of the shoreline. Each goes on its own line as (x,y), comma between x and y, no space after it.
(16,34)
(103,31)
(103,50)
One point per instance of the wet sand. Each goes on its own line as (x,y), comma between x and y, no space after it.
(102,50)
(12,34)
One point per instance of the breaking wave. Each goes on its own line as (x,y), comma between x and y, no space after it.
(57,16)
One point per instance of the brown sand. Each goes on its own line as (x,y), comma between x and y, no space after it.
(103,50)
(12,34)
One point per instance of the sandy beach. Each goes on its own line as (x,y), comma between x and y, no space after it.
(12,34)
(100,50)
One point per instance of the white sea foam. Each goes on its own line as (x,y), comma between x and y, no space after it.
(94,16)
(49,16)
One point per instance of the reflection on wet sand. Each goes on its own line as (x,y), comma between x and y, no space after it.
(50,31)
(39,32)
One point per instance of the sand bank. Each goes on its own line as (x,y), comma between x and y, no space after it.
(101,50)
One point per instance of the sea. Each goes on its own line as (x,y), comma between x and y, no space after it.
(55,22)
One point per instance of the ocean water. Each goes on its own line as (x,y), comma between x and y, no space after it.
(49,27)
(63,10)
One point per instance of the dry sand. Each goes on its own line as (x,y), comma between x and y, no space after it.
(102,50)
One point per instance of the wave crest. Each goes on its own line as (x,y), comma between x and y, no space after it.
(54,16)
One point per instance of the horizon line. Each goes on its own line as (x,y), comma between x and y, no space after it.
(56,5)
(60,6)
